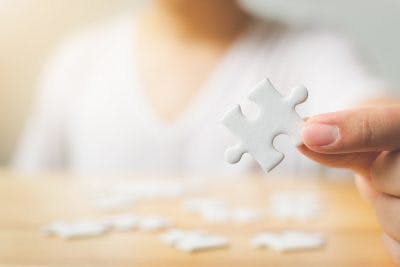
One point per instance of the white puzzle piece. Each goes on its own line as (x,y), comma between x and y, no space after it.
(294,205)
(204,243)
(198,205)
(288,241)
(123,195)
(123,222)
(245,215)
(174,236)
(76,230)
(211,210)
(216,211)
(277,115)
(196,240)
(153,223)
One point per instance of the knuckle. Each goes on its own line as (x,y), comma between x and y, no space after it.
(367,132)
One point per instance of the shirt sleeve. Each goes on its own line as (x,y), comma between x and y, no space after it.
(42,145)
(335,74)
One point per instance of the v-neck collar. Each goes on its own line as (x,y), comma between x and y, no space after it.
(208,94)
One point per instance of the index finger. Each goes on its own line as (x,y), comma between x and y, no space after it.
(358,130)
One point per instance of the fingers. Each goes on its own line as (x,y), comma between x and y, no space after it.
(386,207)
(387,211)
(385,173)
(368,142)
(382,169)
(360,130)
(393,247)
(364,186)
(359,162)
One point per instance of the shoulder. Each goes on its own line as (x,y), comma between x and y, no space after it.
(72,62)
(303,40)
(82,48)
(314,42)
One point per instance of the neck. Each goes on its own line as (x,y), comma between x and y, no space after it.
(196,19)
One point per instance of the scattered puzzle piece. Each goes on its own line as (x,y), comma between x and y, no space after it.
(277,116)
(293,205)
(203,243)
(216,211)
(123,195)
(90,228)
(211,210)
(76,230)
(172,237)
(153,223)
(190,241)
(123,222)
(245,215)
(288,241)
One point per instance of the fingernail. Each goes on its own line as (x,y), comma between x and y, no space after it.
(317,134)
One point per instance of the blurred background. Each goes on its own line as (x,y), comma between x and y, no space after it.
(30,29)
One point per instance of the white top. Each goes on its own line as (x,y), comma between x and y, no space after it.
(91,115)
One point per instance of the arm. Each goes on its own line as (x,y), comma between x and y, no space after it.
(42,143)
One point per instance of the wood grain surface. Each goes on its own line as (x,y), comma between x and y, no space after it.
(29,203)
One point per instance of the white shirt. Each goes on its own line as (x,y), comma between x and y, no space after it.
(91,115)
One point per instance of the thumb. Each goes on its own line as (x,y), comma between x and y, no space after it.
(358,130)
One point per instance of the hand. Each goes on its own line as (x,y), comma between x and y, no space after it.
(366,141)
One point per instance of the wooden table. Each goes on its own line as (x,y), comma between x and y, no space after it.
(27,204)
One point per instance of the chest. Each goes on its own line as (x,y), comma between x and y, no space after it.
(109,132)
(172,75)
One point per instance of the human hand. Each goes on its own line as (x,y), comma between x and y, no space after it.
(366,141)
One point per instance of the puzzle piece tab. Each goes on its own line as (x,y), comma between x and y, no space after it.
(277,115)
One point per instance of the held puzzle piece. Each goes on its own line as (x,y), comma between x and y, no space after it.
(277,116)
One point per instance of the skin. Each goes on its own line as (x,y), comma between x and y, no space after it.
(180,42)
(367,141)
(175,34)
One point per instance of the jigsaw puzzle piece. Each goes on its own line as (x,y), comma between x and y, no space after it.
(263,152)
(277,115)
(264,92)
(233,120)
(235,153)
(268,158)
(297,96)
(279,109)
